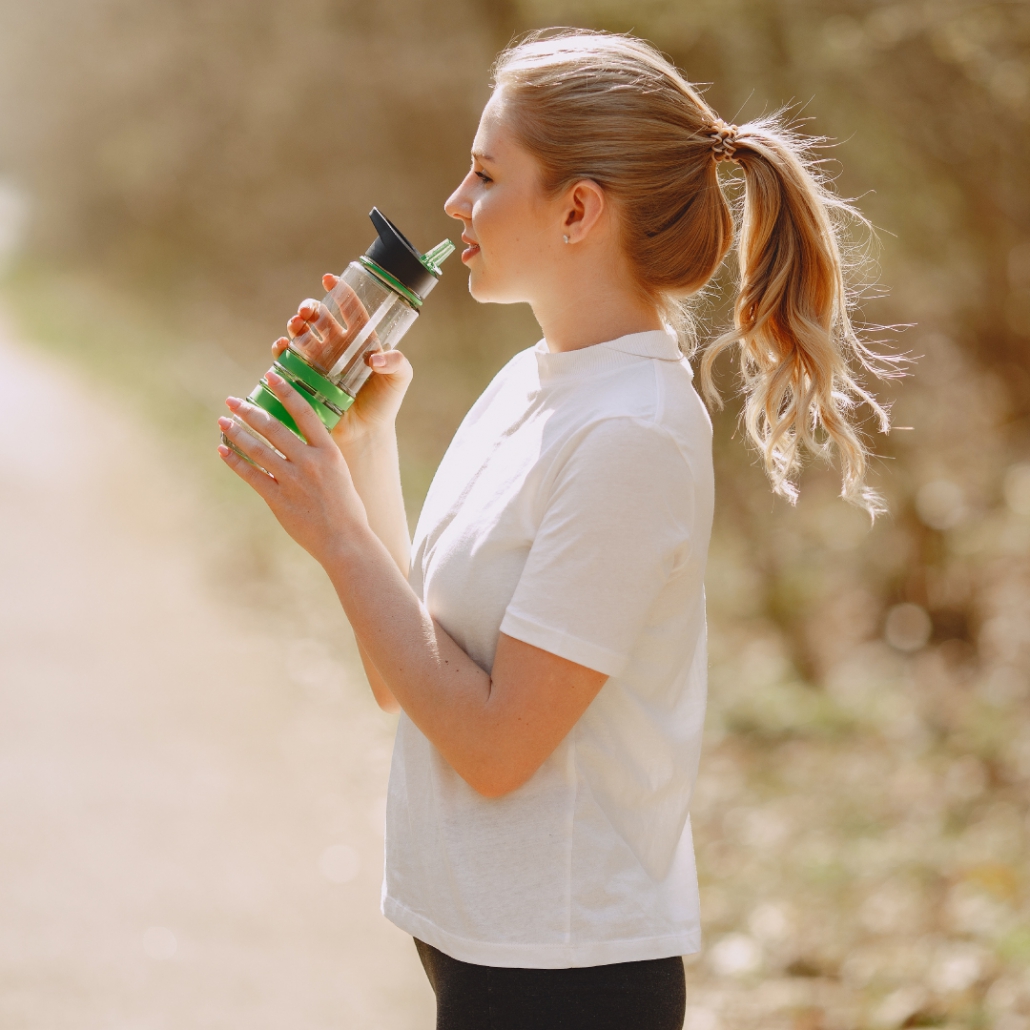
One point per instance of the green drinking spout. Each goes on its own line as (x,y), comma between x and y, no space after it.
(434,258)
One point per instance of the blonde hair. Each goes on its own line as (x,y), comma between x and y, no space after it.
(611,108)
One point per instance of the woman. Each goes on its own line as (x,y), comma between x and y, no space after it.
(545,639)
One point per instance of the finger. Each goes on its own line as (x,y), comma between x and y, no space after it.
(303,414)
(355,314)
(389,363)
(279,346)
(258,452)
(324,326)
(299,323)
(329,281)
(297,326)
(279,436)
(265,485)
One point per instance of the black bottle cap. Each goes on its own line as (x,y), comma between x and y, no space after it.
(394,253)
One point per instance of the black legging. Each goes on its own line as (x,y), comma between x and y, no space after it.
(650,995)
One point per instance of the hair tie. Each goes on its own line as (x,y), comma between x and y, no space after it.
(724,139)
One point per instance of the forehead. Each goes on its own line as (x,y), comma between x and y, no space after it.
(492,135)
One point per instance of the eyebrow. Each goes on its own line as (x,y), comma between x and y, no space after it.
(481,155)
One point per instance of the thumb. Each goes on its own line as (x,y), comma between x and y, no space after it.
(390,363)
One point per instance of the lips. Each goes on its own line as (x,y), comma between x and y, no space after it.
(471,251)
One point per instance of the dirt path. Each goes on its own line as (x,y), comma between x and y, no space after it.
(188,836)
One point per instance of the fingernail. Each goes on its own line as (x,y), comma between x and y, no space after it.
(273,377)
(223,450)
(233,402)
(224,422)
(378,360)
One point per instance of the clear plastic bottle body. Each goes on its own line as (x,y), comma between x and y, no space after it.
(371,306)
(374,316)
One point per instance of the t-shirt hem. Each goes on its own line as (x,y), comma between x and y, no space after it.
(540,956)
(564,645)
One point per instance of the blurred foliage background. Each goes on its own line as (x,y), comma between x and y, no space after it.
(178,175)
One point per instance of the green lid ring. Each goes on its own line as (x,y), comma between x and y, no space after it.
(392,281)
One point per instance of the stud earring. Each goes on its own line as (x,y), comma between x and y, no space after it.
(565,238)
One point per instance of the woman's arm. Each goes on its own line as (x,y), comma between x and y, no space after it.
(495,730)
(375,472)
(367,436)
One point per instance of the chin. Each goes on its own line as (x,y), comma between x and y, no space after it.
(480,291)
(486,292)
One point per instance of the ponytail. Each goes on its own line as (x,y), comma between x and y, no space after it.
(800,356)
(611,108)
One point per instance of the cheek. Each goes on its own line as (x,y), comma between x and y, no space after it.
(488,223)
(501,229)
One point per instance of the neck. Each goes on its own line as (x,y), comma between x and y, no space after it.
(591,310)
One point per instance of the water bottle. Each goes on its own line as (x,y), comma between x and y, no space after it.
(375,302)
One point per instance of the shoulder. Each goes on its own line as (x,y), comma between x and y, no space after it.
(654,448)
(630,444)
(660,390)
(622,476)
(650,407)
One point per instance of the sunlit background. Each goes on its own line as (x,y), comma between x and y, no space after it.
(191,773)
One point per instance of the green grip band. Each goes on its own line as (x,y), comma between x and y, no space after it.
(266,400)
(291,362)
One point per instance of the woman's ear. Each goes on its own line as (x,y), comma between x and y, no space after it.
(585,205)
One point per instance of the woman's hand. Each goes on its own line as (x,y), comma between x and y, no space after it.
(307,485)
(376,406)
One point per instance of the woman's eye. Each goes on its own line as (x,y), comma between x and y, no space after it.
(484,176)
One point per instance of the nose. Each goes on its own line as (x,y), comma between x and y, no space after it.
(459,203)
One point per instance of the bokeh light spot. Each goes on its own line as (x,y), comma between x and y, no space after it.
(698,1018)
(1004,686)
(898,1007)
(940,504)
(736,954)
(770,923)
(907,627)
(956,970)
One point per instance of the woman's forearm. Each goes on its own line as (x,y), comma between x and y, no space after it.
(374,465)
(380,690)
(442,690)
(494,729)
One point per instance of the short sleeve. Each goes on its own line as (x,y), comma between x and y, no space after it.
(616,524)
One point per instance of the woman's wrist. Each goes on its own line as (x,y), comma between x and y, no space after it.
(367,442)
(344,550)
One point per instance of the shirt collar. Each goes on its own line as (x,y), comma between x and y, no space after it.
(656,343)
(659,344)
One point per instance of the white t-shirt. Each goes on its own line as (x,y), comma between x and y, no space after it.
(572,511)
